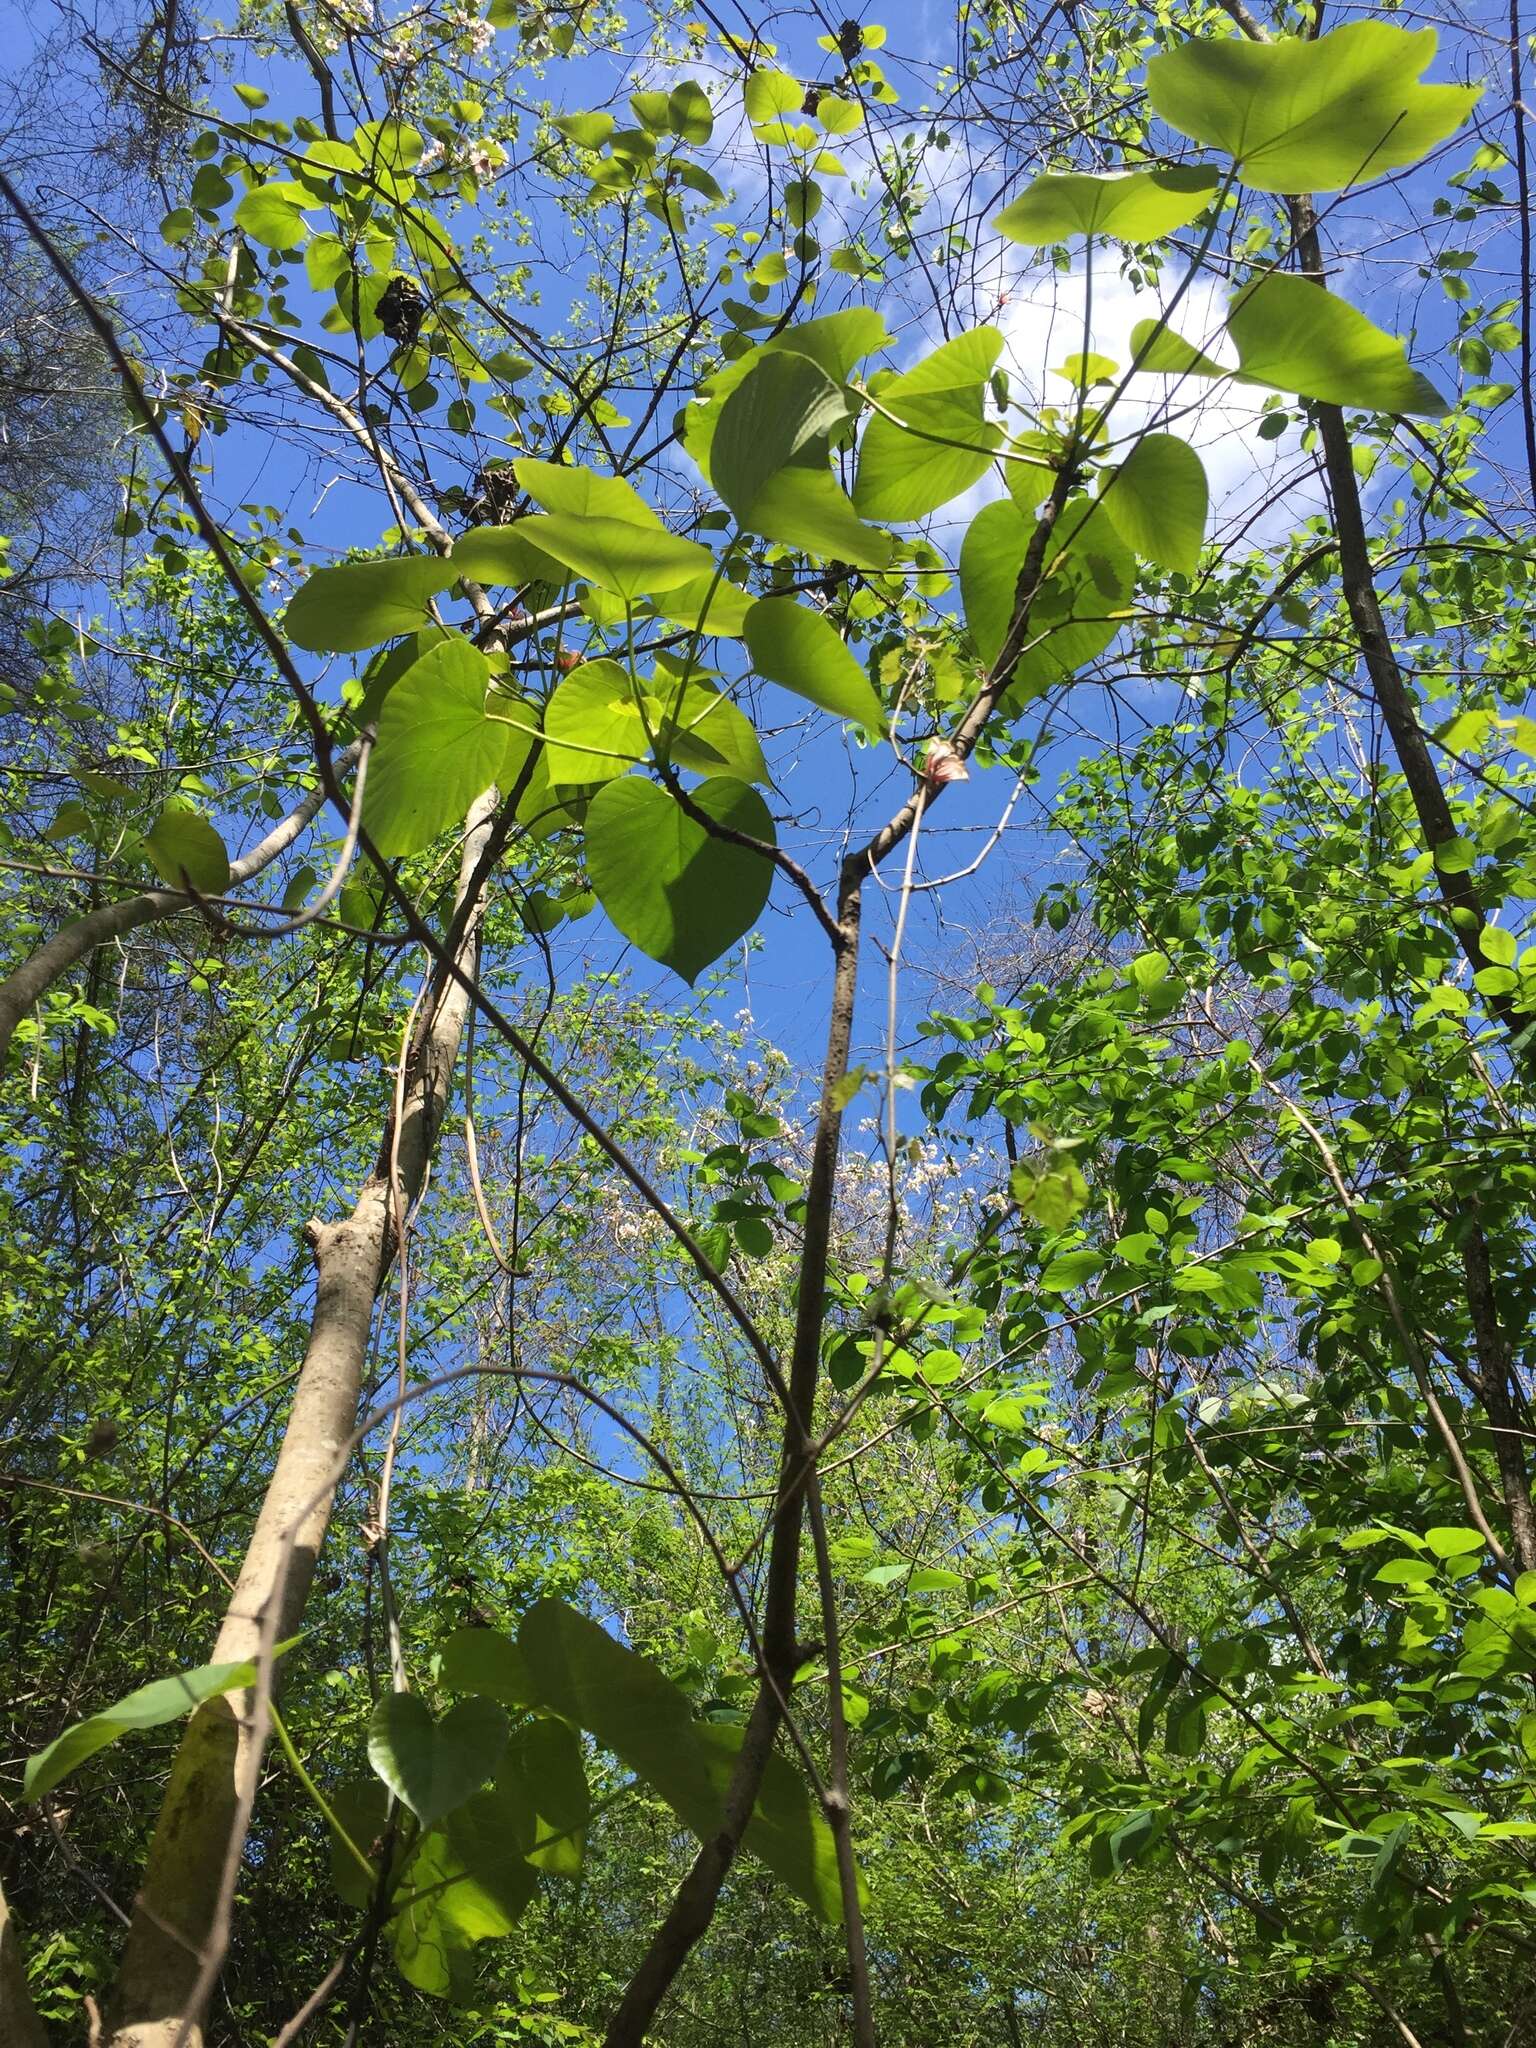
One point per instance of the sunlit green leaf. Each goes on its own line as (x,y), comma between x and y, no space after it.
(433,1766)
(437,750)
(903,475)
(358,604)
(1157,501)
(786,403)
(1133,206)
(184,847)
(166,1699)
(1310,115)
(627,558)
(557,487)
(594,727)
(1290,335)
(679,893)
(795,646)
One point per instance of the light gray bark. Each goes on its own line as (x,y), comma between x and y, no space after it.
(174,1915)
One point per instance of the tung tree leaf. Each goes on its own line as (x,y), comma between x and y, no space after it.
(274,215)
(632,1709)
(504,556)
(1311,116)
(681,895)
(1088,582)
(435,1766)
(480,1660)
(1133,206)
(1296,337)
(797,648)
(183,847)
(1293,336)
(787,402)
(468,1881)
(437,749)
(1157,501)
(706,732)
(363,1810)
(707,604)
(358,604)
(903,476)
(593,727)
(545,1772)
(804,505)
(624,556)
(166,1699)
(556,487)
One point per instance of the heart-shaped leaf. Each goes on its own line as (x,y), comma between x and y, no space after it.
(184,847)
(786,403)
(437,749)
(620,554)
(360,604)
(433,1767)
(797,648)
(1310,115)
(679,893)
(944,446)
(1157,501)
(1133,206)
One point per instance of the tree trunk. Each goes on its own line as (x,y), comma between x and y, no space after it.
(20,2026)
(175,1912)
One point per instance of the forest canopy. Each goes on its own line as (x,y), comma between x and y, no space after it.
(767,1025)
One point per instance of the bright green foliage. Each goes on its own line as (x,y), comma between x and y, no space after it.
(1085,592)
(434,1766)
(787,403)
(438,748)
(184,847)
(1158,501)
(628,558)
(1303,115)
(544,1771)
(582,493)
(682,895)
(468,1881)
(580,1672)
(1132,206)
(902,476)
(1292,336)
(165,1699)
(342,610)
(796,647)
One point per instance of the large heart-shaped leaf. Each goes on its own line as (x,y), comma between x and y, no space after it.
(437,749)
(433,1766)
(678,892)
(544,1771)
(620,554)
(704,731)
(903,475)
(360,604)
(166,1699)
(593,726)
(1088,581)
(786,403)
(1291,335)
(504,556)
(1157,501)
(480,1660)
(1303,115)
(582,493)
(798,649)
(1133,206)
(468,1881)
(631,1708)
(184,847)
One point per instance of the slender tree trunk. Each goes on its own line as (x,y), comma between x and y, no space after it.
(20,2026)
(174,1914)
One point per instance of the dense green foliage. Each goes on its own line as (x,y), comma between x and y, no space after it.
(769,1035)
